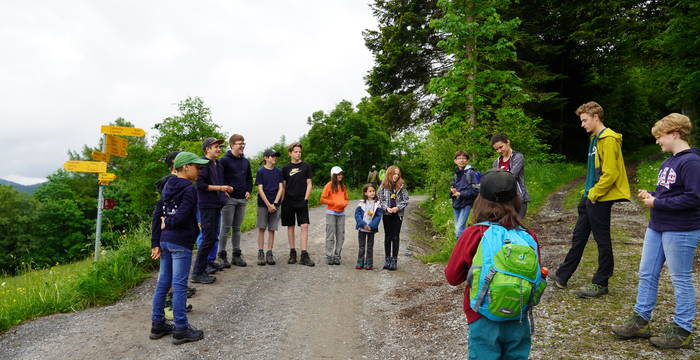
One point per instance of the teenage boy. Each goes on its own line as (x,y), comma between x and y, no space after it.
(270,191)
(297,189)
(606,183)
(463,191)
(211,196)
(237,174)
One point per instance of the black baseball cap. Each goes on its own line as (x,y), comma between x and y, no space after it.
(271,152)
(498,185)
(170,158)
(211,141)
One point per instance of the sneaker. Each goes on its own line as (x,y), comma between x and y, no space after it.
(216,265)
(210,269)
(359,266)
(392,264)
(386,263)
(203,278)
(191,291)
(556,281)
(305,259)
(237,258)
(292,257)
(160,329)
(329,260)
(270,258)
(633,327)
(261,258)
(592,291)
(188,334)
(224,259)
(368,267)
(336,260)
(673,337)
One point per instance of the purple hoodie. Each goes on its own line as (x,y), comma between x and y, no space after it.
(677,203)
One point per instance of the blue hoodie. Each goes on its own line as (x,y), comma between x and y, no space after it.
(677,203)
(237,174)
(465,183)
(181,228)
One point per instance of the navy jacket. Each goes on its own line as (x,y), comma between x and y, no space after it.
(210,174)
(465,182)
(181,228)
(237,174)
(677,203)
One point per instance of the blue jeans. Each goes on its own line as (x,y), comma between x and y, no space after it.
(677,250)
(175,261)
(461,216)
(499,339)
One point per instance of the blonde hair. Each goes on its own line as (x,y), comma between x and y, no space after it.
(590,108)
(673,122)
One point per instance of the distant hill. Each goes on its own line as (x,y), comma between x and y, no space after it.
(29,189)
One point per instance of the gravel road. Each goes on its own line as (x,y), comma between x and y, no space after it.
(275,312)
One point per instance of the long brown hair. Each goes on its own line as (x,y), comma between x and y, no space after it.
(337,185)
(505,214)
(387,182)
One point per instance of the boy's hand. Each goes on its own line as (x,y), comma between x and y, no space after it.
(643,194)
(649,201)
(162,222)
(271,208)
(247,195)
(454,191)
(155,253)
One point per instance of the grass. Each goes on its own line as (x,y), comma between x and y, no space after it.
(542,179)
(76,286)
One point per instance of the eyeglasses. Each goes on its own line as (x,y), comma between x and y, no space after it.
(239,143)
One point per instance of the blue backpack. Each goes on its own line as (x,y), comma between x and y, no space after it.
(505,278)
(476,178)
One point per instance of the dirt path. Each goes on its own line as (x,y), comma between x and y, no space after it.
(282,311)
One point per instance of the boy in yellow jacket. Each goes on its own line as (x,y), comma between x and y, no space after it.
(606,183)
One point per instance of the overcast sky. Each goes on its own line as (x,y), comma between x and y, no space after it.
(67,67)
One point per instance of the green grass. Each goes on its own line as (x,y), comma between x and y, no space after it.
(72,287)
(573,197)
(542,179)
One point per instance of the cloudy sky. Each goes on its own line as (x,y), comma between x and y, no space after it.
(262,66)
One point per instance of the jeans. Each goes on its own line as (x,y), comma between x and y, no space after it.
(209,218)
(677,250)
(231,219)
(335,234)
(591,218)
(175,261)
(461,216)
(392,228)
(499,340)
(366,240)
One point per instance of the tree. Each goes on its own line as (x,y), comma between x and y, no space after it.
(194,124)
(17,218)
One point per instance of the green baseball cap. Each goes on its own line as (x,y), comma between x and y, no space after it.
(185,158)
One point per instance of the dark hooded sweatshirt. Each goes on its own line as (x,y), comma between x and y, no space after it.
(180,228)
(677,203)
(237,174)
(210,174)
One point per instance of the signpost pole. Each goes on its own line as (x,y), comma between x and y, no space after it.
(100,204)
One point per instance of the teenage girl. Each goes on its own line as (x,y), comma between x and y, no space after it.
(335,195)
(393,199)
(367,214)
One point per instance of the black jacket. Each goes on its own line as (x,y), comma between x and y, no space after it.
(237,174)
(180,228)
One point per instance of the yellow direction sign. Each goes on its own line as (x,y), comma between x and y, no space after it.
(100,156)
(116,146)
(123,131)
(85,166)
(106,177)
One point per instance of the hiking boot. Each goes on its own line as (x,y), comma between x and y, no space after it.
(224,259)
(188,334)
(261,258)
(191,291)
(556,281)
(392,263)
(216,266)
(160,329)
(237,258)
(336,260)
(305,259)
(292,257)
(592,291)
(203,278)
(673,337)
(270,258)
(329,260)
(210,269)
(633,327)
(386,262)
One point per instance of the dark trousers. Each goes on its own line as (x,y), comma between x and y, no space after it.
(209,218)
(591,218)
(366,242)
(392,228)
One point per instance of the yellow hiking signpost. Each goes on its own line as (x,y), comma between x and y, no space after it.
(111,145)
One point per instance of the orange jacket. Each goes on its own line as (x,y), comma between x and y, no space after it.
(336,201)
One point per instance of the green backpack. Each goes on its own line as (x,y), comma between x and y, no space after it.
(505,278)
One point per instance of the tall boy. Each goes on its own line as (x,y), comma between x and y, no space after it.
(211,196)
(237,174)
(297,189)
(606,183)
(270,191)
(463,191)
